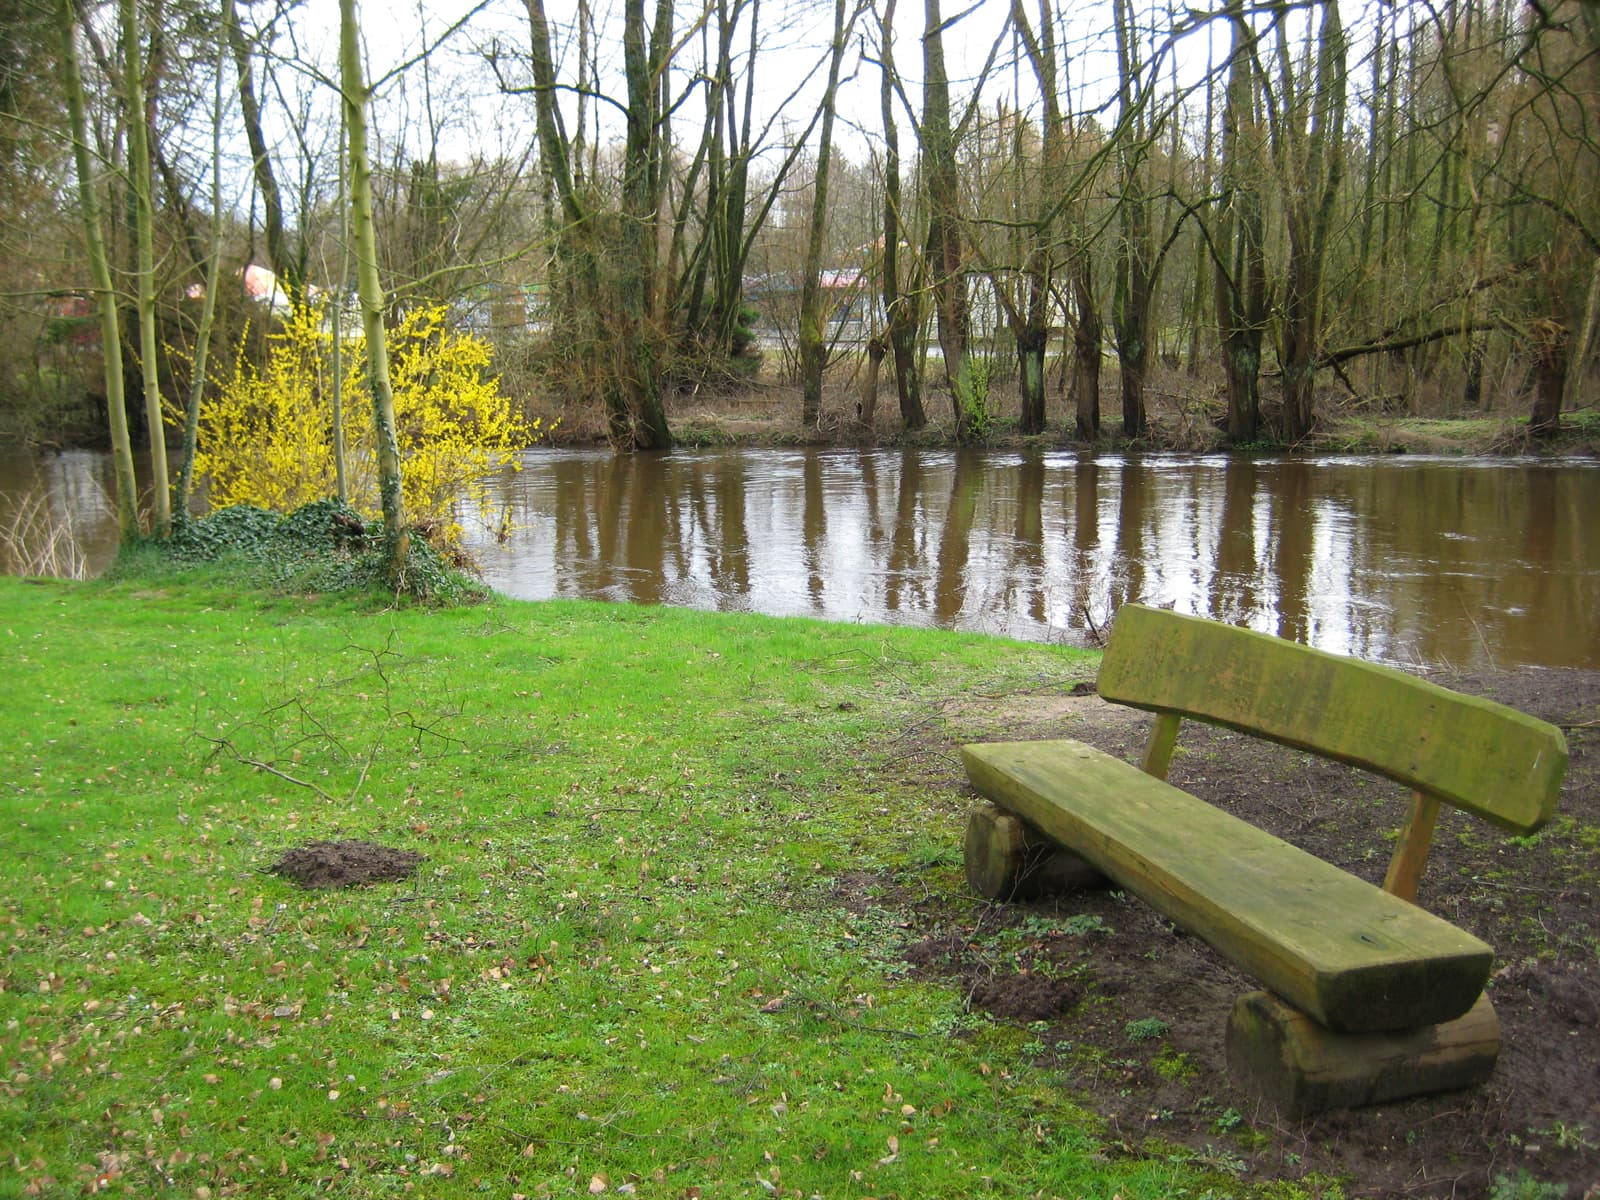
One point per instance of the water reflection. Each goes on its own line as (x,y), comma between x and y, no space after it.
(1434,562)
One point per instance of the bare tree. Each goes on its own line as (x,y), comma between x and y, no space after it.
(127,498)
(1135,264)
(136,115)
(1310,152)
(287,262)
(355,95)
(902,310)
(1238,233)
(941,185)
(606,260)
(813,353)
(208,310)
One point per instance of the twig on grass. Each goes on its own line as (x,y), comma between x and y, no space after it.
(224,744)
(823,1009)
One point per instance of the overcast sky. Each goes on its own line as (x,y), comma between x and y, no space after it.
(794,39)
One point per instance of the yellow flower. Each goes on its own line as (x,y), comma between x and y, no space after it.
(266,438)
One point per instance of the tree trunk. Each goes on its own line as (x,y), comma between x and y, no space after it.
(1239,239)
(1551,345)
(1314,171)
(1135,284)
(208,310)
(289,267)
(727,189)
(1032,339)
(1032,332)
(638,416)
(813,351)
(1087,338)
(141,179)
(867,406)
(1582,355)
(397,538)
(944,253)
(100,272)
(900,311)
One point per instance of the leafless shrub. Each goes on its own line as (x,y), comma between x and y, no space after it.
(35,539)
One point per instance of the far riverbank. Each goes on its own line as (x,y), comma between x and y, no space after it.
(1185,416)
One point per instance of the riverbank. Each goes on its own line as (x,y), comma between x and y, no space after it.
(690,919)
(1184,415)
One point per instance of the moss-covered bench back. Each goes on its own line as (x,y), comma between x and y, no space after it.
(1481,757)
(1356,961)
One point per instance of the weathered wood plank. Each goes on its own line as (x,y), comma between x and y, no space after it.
(1411,855)
(1006,860)
(1485,758)
(1158,750)
(1356,958)
(1290,1061)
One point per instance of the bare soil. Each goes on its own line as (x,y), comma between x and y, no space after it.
(344,864)
(1133,1010)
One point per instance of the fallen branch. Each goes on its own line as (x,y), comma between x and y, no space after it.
(225,744)
(1389,344)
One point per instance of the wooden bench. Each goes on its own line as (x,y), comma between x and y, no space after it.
(1369,997)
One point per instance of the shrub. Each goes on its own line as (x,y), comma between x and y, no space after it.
(266,438)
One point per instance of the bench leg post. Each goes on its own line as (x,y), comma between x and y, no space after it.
(1007,859)
(1289,1060)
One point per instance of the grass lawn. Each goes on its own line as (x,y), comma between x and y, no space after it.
(622,967)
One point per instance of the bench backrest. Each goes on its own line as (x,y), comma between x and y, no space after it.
(1479,756)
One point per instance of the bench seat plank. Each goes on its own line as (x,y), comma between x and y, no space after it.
(1352,956)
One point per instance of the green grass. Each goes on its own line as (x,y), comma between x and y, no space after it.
(621,965)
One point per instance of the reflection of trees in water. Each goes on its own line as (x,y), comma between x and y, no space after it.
(905,591)
(1440,563)
(814,527)
(1431,563)
(1127,584)
(955,538)
(1026,574)
(730,552)
(1085,545)
(648,533)
(1292,537)
(576,512)
(1235,567)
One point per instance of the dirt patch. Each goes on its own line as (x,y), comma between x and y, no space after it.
(344,864)
(1132,1010)
(1024,997)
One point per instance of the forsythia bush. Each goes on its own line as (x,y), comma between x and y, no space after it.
(267,437)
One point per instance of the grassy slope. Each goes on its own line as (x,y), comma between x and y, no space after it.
(620,965)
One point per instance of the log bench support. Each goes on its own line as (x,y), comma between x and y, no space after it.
(1300,1068)
(1369,998)
(1007,859)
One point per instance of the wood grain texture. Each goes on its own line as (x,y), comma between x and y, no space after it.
(1411,853)
(1006,860)
(1163,740)
(1495,762)
(1284,1057)
(1356,958)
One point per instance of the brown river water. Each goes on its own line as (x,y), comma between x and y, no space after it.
(1422,562)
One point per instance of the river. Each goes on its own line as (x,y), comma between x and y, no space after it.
(1421,562)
